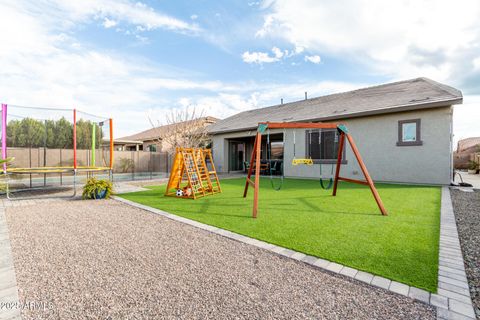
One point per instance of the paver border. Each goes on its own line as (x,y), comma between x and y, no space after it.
(451,299)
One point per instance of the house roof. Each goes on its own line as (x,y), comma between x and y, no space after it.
(159,132)
(122,141)
(413,94)
(468,143)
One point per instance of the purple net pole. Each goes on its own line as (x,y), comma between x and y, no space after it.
(4,135)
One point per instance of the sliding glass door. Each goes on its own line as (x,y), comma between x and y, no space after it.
(236,156)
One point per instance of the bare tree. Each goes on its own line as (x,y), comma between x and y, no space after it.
(186,128)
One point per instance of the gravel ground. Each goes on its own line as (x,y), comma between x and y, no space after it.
(467,213)
(106,260)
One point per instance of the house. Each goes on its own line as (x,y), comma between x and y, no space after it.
(402,129)
(468,143)
(467,150)
(127,145)
(159,138)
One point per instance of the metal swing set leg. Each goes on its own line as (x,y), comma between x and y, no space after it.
(255,158)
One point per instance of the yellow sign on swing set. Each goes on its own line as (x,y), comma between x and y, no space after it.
(296,162)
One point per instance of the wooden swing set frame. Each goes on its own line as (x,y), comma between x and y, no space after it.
(262,126)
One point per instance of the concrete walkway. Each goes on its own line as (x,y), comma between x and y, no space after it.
(473,179)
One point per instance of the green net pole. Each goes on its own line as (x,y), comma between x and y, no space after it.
(93,144)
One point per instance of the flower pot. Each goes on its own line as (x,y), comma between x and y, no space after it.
(472,171)
(100,194)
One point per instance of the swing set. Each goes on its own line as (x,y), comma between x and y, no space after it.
(344,134)
(295,162)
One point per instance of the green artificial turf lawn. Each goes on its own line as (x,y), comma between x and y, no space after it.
(347,229)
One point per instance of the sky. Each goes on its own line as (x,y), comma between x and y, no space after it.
(138,60)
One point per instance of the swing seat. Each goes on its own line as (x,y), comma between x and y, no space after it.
(326,186)
(296,162)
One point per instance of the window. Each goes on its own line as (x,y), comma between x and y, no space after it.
(276,150)
(152,148)
(409,133)
(322,146)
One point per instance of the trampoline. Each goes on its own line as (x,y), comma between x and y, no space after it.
(55,142)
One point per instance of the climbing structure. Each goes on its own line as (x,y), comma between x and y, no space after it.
(191,177)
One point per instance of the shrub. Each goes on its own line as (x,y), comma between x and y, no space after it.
(126,164)
(472,165)
(94,187)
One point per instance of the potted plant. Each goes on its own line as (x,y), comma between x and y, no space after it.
(472,167)
(97,189)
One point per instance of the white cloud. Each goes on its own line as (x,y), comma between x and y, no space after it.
(253,95)
(465,119)
(277,52)
(225,104)
(194,17)
(258,57)
(476,63)
(399,39)
(313,59)
(299,49)
(46,66)
(134,13)
(107,23)
(267,27)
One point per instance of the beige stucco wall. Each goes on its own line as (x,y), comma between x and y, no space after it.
(376,138)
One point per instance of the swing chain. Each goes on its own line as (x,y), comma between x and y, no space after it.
(330,181)
(269,159)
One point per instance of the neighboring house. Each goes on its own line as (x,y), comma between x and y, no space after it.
(156,139)
(467,149)
(127,145)
(403,131)
(468,143)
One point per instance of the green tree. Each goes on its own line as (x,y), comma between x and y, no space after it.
(83,134)
(33,133)
(63,134)
(52,134)
(13,133)
(26,133)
